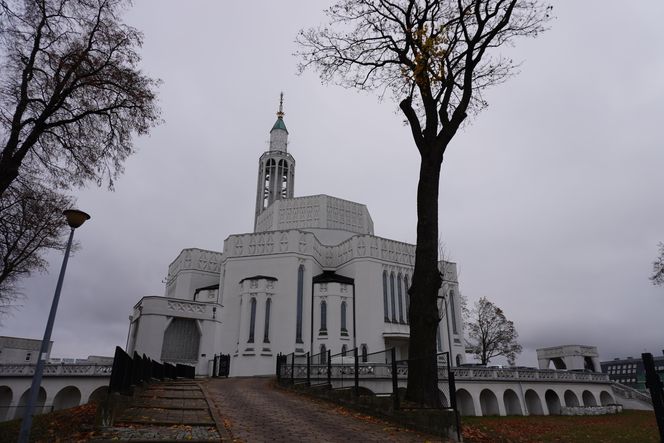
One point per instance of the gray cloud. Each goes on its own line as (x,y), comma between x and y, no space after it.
(550,199)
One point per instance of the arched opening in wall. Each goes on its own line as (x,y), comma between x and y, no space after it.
(67,398)
(571,400)
(23,401)
(604,397)
(364,352)
(512,403)
(465,403)
(552,402)
(361,390)
(98,395)
(489,403)
(588,399)
(458,360)
(557,363)
(181,341)
(588,364)
(6,396)
(443,399)
(533,403)
(323,355)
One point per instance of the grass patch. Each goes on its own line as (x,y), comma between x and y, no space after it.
(74,424)
(628,426)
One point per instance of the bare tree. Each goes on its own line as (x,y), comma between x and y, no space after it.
(71,92)
(31,222)
(436,57)
(491,334)
(657,276)
(71,99)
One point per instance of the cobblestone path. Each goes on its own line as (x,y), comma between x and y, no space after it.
(254,410)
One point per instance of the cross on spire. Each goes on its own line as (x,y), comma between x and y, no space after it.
(280,113)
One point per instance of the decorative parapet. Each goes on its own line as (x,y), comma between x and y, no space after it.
(529,375)
(302,242)
(567,350)
(175,307)
(628,392)
(384,370)
(57,370)
(195,259)
(315,211)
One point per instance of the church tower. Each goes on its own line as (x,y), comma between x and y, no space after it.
(276,167)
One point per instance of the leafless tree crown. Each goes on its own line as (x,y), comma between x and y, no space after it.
(71,92)
(432,54)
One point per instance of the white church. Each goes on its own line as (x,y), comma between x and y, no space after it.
(311,277)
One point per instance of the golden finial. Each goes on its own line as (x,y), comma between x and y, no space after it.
(280,113)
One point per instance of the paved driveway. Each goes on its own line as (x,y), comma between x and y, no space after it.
(253,409)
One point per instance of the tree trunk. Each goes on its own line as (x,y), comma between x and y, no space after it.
(422,366)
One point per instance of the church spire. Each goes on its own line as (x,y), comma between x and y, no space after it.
(279,133)
(276,170)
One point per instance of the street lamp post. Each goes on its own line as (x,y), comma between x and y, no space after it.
(442,311)
(75,219)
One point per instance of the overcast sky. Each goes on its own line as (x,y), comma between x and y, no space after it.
(551,200)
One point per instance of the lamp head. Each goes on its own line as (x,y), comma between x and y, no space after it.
(75,218)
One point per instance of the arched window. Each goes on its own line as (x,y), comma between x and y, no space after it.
(439,342)
(365,353)
(458,360)
(344,349)
(385,308)
(343,318)
(400,301)
(323,354)
(323,316)
(266,334)
(252,320)
(406,287)
(393,304)
(453,312)
(300,300)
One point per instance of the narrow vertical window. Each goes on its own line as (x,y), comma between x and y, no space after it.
(365,353)
(344,349)
(266,335)
(385,308)
(300,300)
(406,287)
(323,354)
(400,299)
(393,304)
(323,316)
(343,318)
(252,320)
(453,312)
(439,342)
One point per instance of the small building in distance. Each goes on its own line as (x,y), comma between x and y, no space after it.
(630,371)
(570,357)
(20,350)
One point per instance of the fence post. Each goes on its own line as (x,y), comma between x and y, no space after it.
(356,363)
(308,370)
(395,383)
(278,367)
(654,384)
(292,369)
(329,368)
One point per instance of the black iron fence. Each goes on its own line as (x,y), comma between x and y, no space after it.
(128,371)
(378,373)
